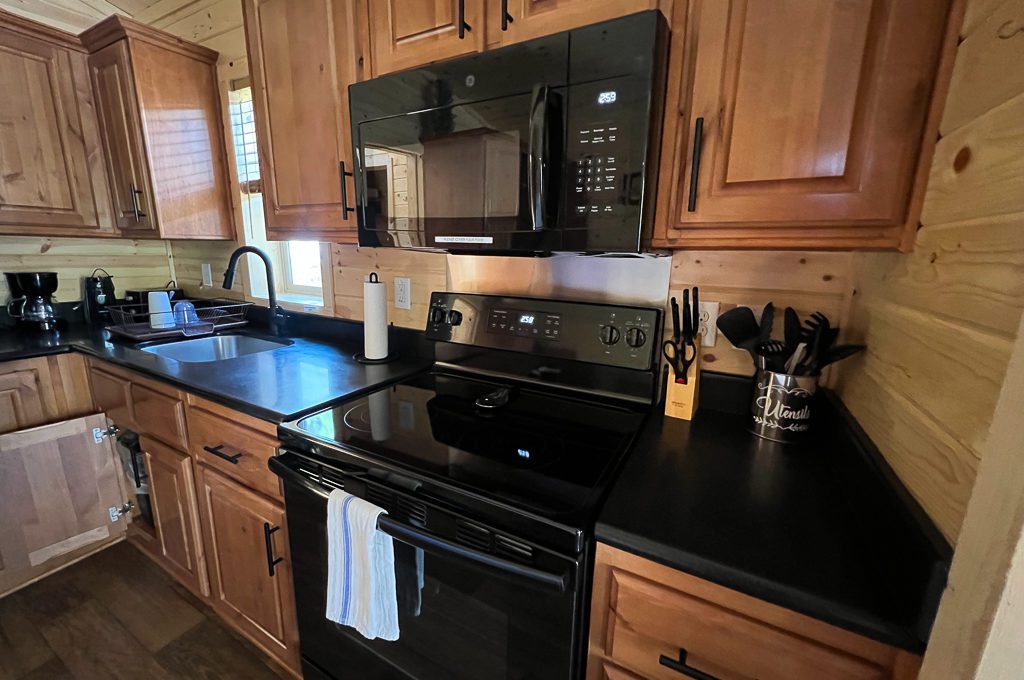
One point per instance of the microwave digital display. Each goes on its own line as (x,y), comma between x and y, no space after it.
(607,97)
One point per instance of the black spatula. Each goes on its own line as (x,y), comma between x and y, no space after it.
(740,327)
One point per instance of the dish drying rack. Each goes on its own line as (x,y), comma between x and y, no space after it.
(133,321)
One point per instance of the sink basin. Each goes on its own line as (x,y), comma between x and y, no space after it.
(214,348)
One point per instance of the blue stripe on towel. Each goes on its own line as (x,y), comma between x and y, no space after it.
(347,582)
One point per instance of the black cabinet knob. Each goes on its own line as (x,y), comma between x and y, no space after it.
(635,337)
(437,315)
(455,317)
(610,335)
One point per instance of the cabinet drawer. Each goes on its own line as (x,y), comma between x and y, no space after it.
(247,449)
(648,621)
(112,395)
(159,415)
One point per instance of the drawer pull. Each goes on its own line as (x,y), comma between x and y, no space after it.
(272,561)
(681,667)
(216,450)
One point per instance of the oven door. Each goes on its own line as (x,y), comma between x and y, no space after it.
(464,613)
(476,175)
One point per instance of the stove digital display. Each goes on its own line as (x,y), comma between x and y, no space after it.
(525,324)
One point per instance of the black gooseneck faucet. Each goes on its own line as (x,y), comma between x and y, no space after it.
(277,316)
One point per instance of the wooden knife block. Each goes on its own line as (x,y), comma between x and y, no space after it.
(681,400)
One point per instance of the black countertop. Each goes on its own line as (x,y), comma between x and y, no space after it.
(280,385)
(823,527)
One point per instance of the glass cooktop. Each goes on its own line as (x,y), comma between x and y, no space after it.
(541,452)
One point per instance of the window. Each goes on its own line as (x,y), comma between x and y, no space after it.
(296,262)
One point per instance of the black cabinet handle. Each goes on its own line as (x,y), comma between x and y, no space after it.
(342,173)
(506,18)
(681,667)
(698,143)
(272,561)
(216,450)
(463,26)
(135,202)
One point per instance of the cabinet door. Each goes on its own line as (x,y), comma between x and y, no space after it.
(118,111)
(112,395)
(59,486)
(528,19)
(303,57)
(178,546)
(408,34)
(251,583)
(812,117)
(51,175)
(24,401)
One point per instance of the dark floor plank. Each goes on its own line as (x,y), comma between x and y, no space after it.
(134,589)
(52,596)
(210,652)
(54,669)
(22,648)
(92,644)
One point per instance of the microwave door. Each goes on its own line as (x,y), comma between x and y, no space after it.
(474,176)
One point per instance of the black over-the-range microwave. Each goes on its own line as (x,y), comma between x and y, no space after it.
(549,145)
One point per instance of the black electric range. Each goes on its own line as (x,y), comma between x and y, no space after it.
(492,467)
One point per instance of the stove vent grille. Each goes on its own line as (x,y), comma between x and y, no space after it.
(415,513)
(473,535)
(511,548)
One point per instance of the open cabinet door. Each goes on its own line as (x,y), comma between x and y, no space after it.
(61,498)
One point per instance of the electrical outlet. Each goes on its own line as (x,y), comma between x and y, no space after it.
(403,293)
(708,319)
(207,274)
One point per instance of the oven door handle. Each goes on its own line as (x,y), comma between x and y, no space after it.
(426,542)
(433,544)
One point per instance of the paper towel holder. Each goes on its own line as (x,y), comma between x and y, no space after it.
(360,357)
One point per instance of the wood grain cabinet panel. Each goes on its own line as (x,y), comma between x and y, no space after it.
(178,545)
(302,57)
(163,131)
(112,395)
(811,119)
(529,19)
(408,34)
(248,590)
(159,414)
(51,177)
(645,617)
(240,452)
(22,402)
(42,390)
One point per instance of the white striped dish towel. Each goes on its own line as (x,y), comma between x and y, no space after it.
(360,568)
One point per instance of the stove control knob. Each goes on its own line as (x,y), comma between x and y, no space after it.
(454,317)
(610,335)
(635,337)
(437,315)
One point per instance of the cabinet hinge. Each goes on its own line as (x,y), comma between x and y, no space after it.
(98,433)
(118,513)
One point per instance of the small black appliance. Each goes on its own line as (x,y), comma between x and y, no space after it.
(33,307)
(97,293)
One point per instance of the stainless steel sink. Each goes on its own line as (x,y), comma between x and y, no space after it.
(214,348)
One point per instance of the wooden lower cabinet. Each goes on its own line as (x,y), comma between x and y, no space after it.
(42,390)
(251,583)
(177,546)
(646,617)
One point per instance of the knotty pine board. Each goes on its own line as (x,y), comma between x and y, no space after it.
(940,321)
(132,263)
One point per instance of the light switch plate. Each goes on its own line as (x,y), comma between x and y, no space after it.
(207,274)
(403,293)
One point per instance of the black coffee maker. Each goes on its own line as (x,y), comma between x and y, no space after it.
(97,294)
(32,299)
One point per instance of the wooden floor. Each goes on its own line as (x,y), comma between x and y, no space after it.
(117,615)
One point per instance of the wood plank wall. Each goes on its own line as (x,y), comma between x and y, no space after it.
(940,322)
(133,263)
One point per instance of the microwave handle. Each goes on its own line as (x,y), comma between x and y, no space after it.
(416,538)
(537,161)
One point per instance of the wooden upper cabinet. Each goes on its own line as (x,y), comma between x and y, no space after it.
(812,117)
(526,19)
(111,72)
(406,34)
(52,180)
(302,57)
(163,131)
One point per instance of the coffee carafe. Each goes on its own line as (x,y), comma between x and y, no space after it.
(97,293)
(34,306)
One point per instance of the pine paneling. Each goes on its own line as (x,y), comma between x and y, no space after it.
(188,258)
(133,264)
(940,322)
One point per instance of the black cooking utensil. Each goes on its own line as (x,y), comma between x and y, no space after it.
(838,353)
(686,316)
(772,355)
(808,366)
(767,320)
(740,327)
(793,330)
(696,313)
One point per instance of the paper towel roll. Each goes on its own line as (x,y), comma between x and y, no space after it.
(380,415)
(375,318)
